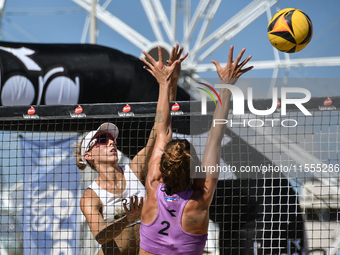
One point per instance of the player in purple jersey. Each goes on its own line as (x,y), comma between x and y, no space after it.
(113,224)
(175,215)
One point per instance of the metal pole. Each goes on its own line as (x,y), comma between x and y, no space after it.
(93,26)
(2,6)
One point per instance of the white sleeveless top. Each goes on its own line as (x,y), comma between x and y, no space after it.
(113,204)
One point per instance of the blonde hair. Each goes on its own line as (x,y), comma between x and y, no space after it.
(79,160)
(178,160)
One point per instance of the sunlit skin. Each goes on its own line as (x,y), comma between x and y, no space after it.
(104,157)
(105,153)
(118,237)
(195,215)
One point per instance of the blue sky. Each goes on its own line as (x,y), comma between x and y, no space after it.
(62,21)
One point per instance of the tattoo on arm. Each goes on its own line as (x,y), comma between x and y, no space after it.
(159,116)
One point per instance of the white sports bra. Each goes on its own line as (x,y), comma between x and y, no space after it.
(113,204)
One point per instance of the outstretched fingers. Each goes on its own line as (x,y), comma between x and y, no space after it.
(217,65)
(148,66)
(151,59)
(242,71)
(146,62)
(233,69)
(176,54)
(184,57)
(172,68)
(160,54)
(179,52)
(231,52)
(239,57)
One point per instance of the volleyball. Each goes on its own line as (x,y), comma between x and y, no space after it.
(290,30)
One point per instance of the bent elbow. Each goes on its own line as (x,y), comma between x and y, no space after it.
(101,240)
(101,237)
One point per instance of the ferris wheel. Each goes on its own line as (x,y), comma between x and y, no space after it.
(188,23)
(191,30)
(195,25)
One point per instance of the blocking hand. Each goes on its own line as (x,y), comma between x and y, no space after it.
(175,55)
(233,70)
(161,72)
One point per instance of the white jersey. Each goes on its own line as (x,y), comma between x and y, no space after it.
(113,204)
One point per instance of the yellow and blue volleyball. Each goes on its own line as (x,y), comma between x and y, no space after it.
(290,30)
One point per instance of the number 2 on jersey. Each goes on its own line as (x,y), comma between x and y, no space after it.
(162,231)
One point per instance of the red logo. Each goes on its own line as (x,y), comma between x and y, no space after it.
(31,111)
(79,109)
(126,108)
(328,102)
(278,104)
(175,107)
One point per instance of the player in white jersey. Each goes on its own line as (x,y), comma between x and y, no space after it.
(113,223)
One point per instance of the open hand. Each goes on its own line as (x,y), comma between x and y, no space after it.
(233,70)
(135,210)
(162,73)
(175,55)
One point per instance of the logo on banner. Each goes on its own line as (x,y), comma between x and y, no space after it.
(175,109)
(31,111)
(79,109)
(78,113)
(327,105)
(278,103)
(328,102)
(126,111)
(31,114)
(126,108)
(53,88)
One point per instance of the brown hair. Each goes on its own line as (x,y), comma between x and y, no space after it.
(178,159)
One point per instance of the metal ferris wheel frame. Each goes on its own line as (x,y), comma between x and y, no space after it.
(204,44)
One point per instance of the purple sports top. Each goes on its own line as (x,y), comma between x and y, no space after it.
(165,234)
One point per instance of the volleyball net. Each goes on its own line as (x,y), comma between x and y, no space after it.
(278,190)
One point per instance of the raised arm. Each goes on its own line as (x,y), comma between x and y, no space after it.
(164,75)
(176,53)
(139,164)
(212,153)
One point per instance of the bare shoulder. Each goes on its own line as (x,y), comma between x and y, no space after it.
(151,189)
(197,197)
(89,193)
(133,166)
(198,200)
(150,208)
(196,214)
(89,200)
